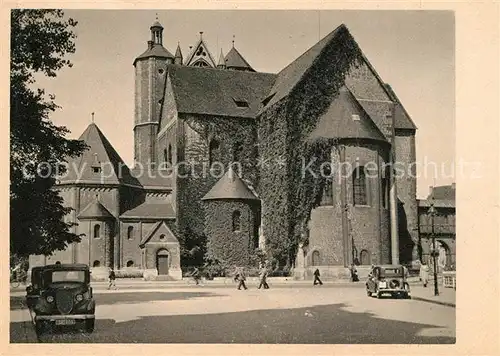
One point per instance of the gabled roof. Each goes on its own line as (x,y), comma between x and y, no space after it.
(95,210)
(156,51)
(100,154)
(401,117)
(230,186)
(200,45)
(154,229)
(151,210)
(235,60)
(337,121)
(213,91)
(290,76)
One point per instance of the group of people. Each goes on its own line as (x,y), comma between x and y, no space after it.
(240,277)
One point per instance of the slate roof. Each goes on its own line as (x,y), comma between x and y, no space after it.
(234,59)
(156,51)
(213,91)
(156,24)
(95,210)
(230,186)
(425,203)
(337,122)
(80,169)
(401,117)
(444,192)
(151,210)
(153,178)
(290,76)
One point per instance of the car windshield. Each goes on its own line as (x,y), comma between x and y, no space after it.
(65,276)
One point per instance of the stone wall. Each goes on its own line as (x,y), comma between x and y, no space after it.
(234,248)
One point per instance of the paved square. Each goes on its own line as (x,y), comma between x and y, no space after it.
(343,315)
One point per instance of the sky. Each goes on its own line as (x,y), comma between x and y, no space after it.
(413,51)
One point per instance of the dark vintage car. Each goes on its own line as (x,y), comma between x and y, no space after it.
(60,294)
(387,279)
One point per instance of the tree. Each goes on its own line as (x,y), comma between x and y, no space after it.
(40,39)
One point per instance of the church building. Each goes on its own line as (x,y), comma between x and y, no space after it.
(203,132)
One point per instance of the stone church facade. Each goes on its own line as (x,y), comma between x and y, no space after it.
(193,112)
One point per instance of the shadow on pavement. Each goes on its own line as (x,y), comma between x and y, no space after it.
(19,302)
(327,324)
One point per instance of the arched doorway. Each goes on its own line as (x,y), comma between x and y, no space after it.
(316,259)
(162,262)
(444,258)
(364,257)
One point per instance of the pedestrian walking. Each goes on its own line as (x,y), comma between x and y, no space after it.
(263,278)
(196,275)
(424,274)
(112,278)
(354,273)
(316,278)
(240,278)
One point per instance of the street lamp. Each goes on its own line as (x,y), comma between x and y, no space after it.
(432,213)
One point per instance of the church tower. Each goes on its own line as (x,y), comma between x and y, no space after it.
(150,75)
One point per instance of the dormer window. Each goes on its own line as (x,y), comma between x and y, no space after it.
(241,103)
(96,169)
(355,117)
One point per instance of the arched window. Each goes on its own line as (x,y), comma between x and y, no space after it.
(169,154)
(385,187)
(97,231)
(359,186)
(237,151)
(130,263)
(364,256)
(327,197)
(96,263)
(236,220)
(165,155)
(130,232)
(213,151)
(316,259)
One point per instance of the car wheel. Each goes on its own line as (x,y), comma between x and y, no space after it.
(379,295)
(89,325)
(368,293)
(407,296)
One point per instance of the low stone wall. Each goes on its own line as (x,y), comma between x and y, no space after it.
(329,273)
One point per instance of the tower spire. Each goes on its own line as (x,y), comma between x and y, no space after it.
(92,117)
(157,32)
(233,40)
(222,62)
(178,54)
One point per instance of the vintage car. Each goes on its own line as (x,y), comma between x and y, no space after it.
(387,279)
(60,294)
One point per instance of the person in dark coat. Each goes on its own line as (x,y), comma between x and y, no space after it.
(240,277)
(112,278)
(316,278)
(263,278)
(354,274)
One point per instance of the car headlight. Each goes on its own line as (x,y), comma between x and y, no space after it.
(79,297)
(50,299)
(382,284)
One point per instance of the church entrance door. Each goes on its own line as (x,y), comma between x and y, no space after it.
(162,262)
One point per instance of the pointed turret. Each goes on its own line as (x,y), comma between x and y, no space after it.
(222,63)
(234,60)
(178,55)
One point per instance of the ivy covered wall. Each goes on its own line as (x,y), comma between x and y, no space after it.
(224,244)
(235,136)
(287,193)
